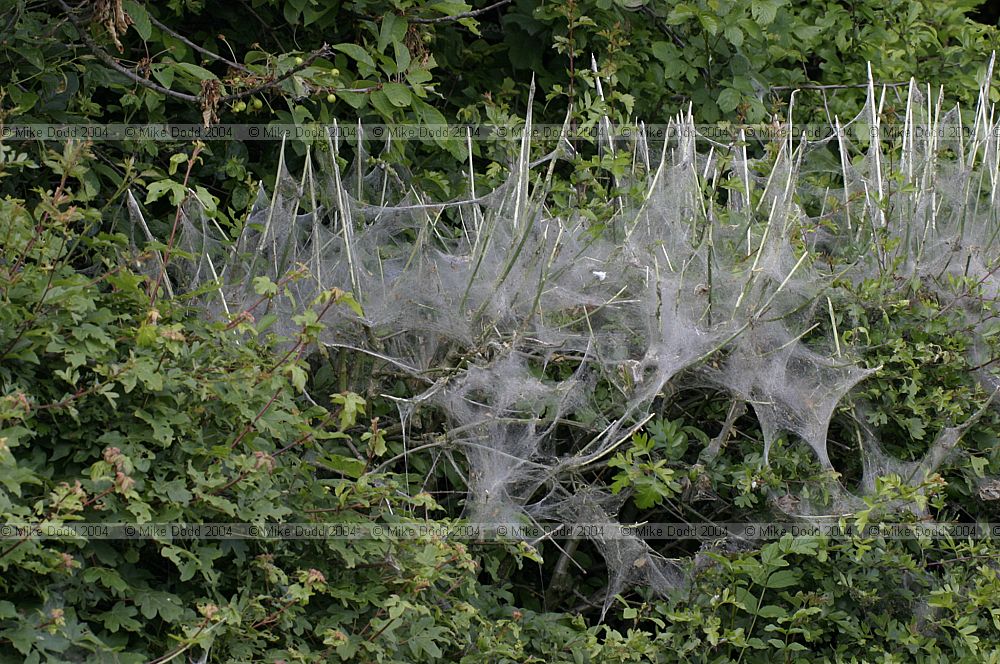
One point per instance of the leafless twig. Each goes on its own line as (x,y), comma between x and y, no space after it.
(203,51)
(457,17)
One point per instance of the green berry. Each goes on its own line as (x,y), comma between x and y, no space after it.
(258,104)
(240,106)
(299,61)
(331,98)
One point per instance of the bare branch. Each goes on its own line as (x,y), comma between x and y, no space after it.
(457,17)
(203,51)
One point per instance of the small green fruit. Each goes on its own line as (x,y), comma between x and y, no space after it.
(331,98)
(334,72)
(299,61)
(258,104)
(240,106)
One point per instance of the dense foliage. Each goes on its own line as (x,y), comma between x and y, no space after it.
(119,403)
(299,61)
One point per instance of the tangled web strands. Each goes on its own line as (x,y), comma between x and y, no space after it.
(497,290)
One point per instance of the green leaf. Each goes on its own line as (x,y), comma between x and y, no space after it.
(808,32)
(764,11)
(771,556)
(356,52)
(298,376)
(403,57)
(263,285)
(162,431)
(346,465)
(176,490)
(291,13)
(352,405)
(187,563)
(451,7)
(207,200)
(979,465)
(915,427)
(665,52)
(772,611)
(425,644)
(147,370)
(22,637)
(140,18)
(801,545)
(153,602)
(431,116)
(120,616)
(352,304)
(175,161)
(354,99)
(709,23)
(376,443)
(164,74)
(382,104)
(24,100)
(729,100)
(734,35)
(681,13)
(196,72)
(393,31)
(783,578)
(108,578)
(158,189)
(399,95)
(32,55)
